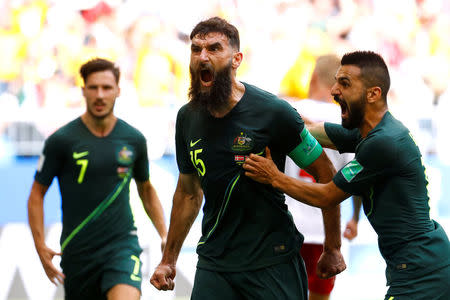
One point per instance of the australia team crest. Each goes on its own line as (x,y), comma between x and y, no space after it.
(125,157)
(243,142)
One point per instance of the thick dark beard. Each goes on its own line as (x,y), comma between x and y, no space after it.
(218,95)
(356,114)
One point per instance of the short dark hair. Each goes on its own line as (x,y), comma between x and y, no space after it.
(98,65)
(220,25)
(374,71)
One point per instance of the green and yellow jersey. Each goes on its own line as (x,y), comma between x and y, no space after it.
(389,173)
(94,176)
(246,225)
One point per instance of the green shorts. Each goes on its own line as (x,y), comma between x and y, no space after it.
(433,286)
(92,277)
(283,281)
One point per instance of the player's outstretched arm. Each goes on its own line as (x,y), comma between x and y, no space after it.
(153,208)
(36,222)
(187,201)
(264,170)
(317,130)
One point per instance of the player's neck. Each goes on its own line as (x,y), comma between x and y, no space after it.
(100,127)
(371,120)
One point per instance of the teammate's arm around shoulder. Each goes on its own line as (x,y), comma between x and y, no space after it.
(317,130)
(153,208)
(36,222)
(187,201)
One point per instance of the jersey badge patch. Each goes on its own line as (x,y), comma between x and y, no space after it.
(125,156)
(351,170)
(122,172)
(242,143)
(239,159)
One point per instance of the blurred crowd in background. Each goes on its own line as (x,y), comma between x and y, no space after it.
(43,43)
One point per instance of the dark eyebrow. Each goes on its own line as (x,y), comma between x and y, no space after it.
(99,85)
(342,78)
(215,45)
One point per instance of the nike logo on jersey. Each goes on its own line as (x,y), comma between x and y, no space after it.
(77,155)
(193,144)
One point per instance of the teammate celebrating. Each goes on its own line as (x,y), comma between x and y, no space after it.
(387,171)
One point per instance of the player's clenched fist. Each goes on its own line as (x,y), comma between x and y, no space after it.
(163,277)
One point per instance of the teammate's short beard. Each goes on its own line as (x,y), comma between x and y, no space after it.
(218,94)
(102,117)
(355,114)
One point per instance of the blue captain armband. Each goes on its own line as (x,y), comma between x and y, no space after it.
(307,151)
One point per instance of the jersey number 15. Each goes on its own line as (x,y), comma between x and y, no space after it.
(197,162)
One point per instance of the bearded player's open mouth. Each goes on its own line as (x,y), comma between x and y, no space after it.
(206,77)
(344,107)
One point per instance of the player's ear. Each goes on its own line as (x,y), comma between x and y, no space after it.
(237,59)
(373,94)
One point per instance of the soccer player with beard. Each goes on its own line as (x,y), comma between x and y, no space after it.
(94,158)
(387,172)
(249,247)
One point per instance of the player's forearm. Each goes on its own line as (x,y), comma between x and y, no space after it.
(154,210)
(314,194)
(317,130)
(324,173)
(185,209)
(332,226)
(36,220)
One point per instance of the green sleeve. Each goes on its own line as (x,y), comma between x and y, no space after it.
(183,159)
(50,160)
(376,160)
(141,165)
(285,129)
(345,140)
